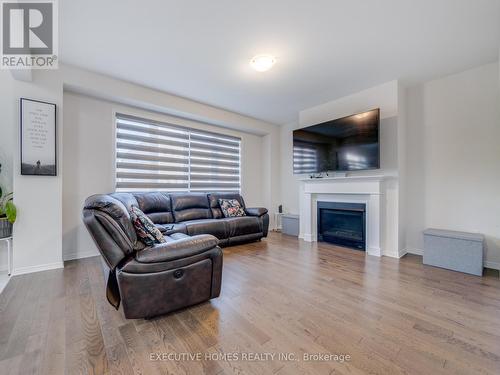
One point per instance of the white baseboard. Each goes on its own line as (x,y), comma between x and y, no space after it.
(308,237)
(80,255)
(402,253)
(41,267)
(414,251)
(374,251)
(492,265)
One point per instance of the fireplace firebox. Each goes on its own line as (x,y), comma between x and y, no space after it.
(342,224)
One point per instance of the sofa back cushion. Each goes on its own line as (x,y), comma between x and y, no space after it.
(190,206)
(215,206)
(156,205)
(127,199)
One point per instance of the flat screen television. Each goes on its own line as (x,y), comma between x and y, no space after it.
(346,144)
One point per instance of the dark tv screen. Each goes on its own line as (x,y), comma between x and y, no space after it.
(346,144)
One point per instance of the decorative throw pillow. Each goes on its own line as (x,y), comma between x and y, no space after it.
(145,228)
(231,208)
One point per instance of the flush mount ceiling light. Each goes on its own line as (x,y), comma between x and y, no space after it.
(262,63)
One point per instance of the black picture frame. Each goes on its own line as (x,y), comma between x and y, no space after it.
(38,168)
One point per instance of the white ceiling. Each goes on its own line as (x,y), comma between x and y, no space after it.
(325,48)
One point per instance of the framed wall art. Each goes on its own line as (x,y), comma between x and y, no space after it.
(38,138)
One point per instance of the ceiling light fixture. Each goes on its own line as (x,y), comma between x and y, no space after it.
(262,63)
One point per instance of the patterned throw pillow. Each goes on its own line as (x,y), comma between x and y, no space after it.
(231,208)
(144,227)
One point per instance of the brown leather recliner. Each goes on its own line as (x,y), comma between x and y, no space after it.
(151,281)
(185,270)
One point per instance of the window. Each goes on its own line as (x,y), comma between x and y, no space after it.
(152,155)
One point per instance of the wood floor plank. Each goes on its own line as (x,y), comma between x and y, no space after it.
(10,311)
(53,351)
(27,313)
(11,366)
(138,353)
(94,343)
(119,363)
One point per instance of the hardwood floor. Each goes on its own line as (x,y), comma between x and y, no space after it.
(280,295)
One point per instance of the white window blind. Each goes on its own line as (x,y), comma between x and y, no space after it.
(158,156)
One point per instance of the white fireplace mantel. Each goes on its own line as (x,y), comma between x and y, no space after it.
(352,189)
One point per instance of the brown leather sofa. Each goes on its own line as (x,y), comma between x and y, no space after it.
(185,270)
(199,213)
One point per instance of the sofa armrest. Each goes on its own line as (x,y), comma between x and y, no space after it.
(173,250)
(115,210)
(256,211)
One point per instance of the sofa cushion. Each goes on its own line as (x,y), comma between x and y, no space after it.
(145,228)
(133,266)
(190,206)
(244,238)
(178,236)
(214,202)
(168,229)
(231,208)
(238,226)
(178,249)
(215,227)
(156,205)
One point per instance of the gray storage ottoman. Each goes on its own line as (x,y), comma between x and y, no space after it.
(457,251)
(290,224)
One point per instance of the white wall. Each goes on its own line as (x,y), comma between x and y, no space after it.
(88,166)
(89,162)
(6,147)
(386,97)
(115,90)
(402,142)
(271,176)
(447,155)
(451,162)
(6,131)
(37,231)
(453,157)
(289,182)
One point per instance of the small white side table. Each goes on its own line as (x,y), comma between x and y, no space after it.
(278,221)
(9,253)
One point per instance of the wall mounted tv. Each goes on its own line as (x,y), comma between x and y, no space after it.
(346,144)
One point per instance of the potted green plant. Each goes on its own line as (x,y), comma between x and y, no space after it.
(8,212)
